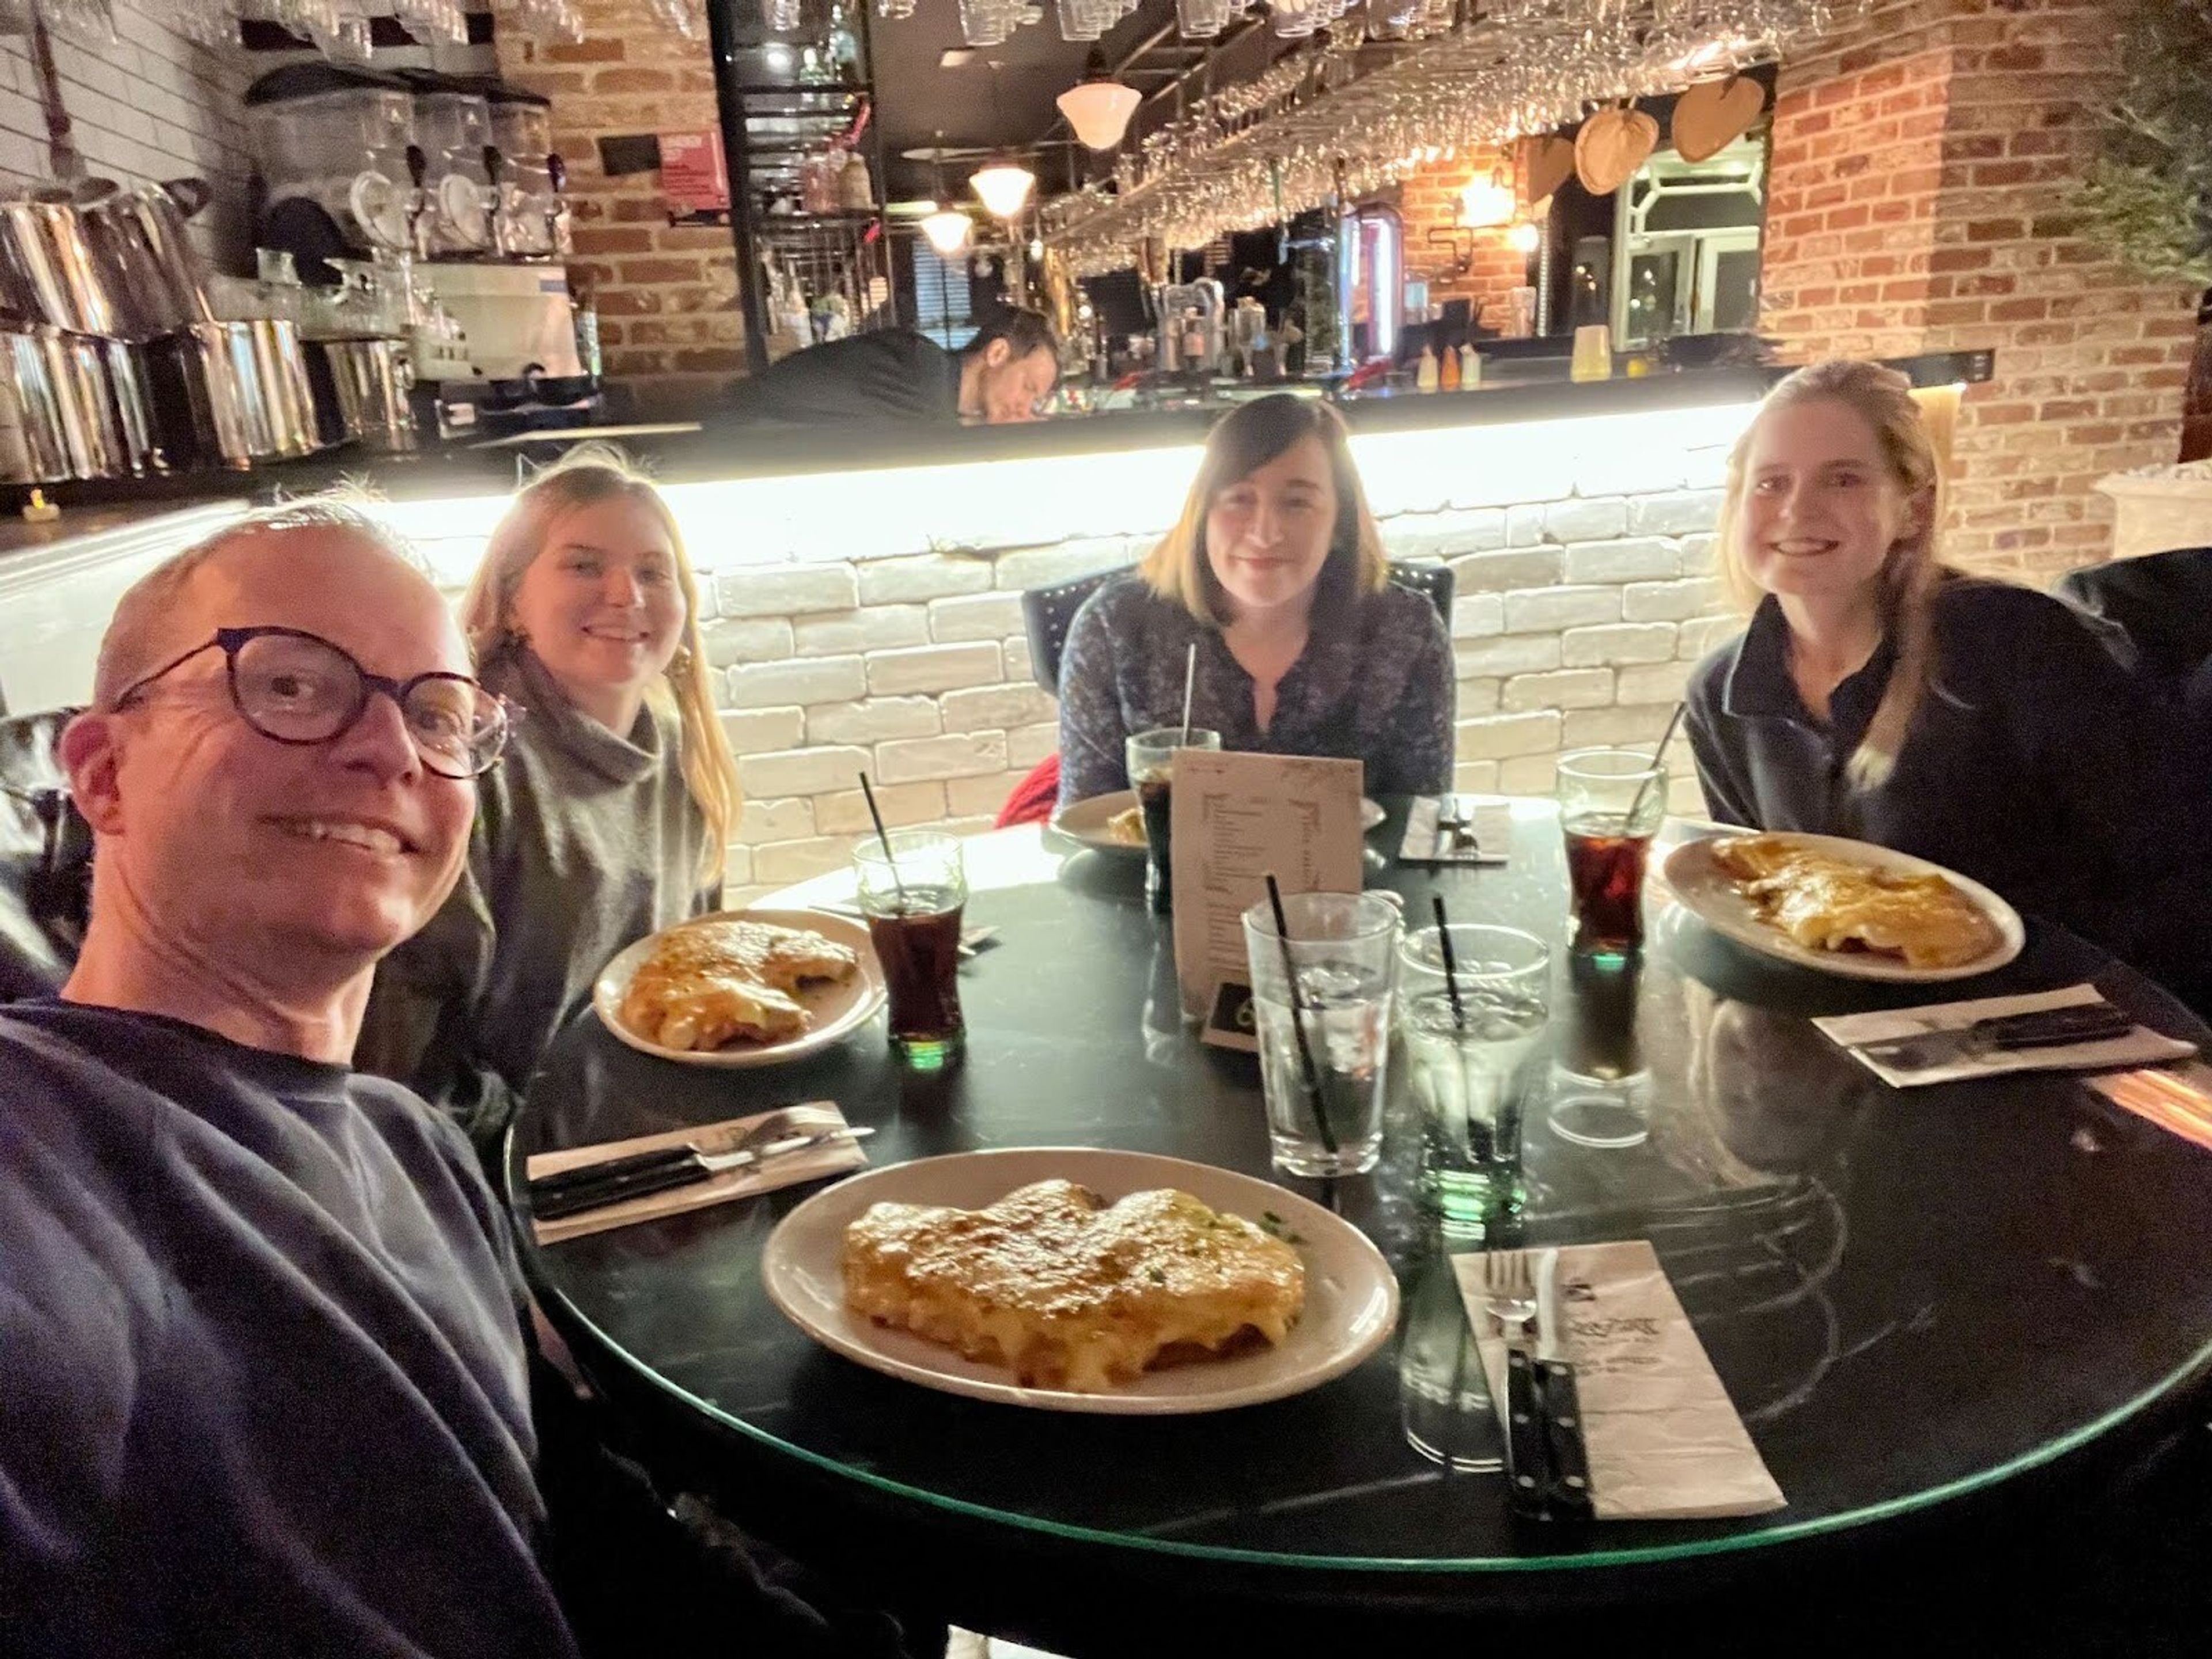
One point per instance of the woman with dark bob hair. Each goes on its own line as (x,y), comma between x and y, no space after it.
(1304,647)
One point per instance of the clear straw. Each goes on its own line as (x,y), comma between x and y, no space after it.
(1658,758)
(1189,685)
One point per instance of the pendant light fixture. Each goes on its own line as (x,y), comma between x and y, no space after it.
(1003,183)
(1099,107)
(947,230)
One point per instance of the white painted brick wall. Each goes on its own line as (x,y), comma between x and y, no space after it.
(964,754)
(149,106)
(935,668)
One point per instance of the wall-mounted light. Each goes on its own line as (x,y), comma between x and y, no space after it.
(1525,237)
(1004,187)
(947,230)
(1486,201)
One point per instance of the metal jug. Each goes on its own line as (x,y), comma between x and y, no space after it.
(137,242)
(50,266)
(59,410)
(245,386)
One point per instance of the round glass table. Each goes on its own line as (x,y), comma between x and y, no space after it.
(1921,1303)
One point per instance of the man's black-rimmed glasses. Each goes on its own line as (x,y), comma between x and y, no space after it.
(295,687)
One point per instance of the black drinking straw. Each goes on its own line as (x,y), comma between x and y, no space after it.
(1189,685)
(884,836)
(1451,967)
(1658,756)
(1298,1020)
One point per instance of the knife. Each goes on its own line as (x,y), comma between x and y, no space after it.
(2044,1028)
(646,1173)
(1569,1493)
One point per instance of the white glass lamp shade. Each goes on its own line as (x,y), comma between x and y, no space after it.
(1099,111)
(947,231)
(1004,188)
(1524,238)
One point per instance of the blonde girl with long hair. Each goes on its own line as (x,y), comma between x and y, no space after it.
(1881,695)
(607,818)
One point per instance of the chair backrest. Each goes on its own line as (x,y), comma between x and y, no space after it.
(1047,611)
(2161,601)
(46,859)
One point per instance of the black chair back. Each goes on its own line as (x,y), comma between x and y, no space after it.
(1047,611)
(2161,601)
(46,859)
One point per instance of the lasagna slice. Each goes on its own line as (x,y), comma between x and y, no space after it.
(1069,1292)
(717,983)
(1828,903)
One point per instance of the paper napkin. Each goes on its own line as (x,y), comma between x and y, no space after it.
(1492,821)
(831,1157)
(1850,1032)
(1663,1439)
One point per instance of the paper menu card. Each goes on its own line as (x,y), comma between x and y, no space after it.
(1663,1439)
(1238,818)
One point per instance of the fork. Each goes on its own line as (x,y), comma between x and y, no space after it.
(1508,1292)
(1455,824)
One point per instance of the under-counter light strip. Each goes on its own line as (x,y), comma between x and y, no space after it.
(1039,500)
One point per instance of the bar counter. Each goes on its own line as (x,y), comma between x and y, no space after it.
(862,587)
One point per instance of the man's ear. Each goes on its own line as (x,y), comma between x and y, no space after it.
(90,750)
(996,353)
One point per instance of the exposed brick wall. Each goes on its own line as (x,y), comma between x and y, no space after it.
(1921,170)
(669,322)
(1428,201)
(154,105)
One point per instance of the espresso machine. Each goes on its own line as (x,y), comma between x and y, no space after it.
(1191,324)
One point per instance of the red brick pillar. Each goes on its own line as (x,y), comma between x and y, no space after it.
(1918,203)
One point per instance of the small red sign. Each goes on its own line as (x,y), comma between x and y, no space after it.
(693,174)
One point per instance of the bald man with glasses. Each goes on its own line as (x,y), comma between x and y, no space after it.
(265,1383)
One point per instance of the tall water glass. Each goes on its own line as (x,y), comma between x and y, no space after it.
(1612,802)
(913,895)
(1150,756)
(1476,1066)
(1202,20)
(1322,1066)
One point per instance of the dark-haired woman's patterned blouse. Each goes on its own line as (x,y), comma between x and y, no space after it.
(1375,683)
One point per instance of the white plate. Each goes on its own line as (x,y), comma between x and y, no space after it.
(1708,892)
(1352,1298)
(838,1009)
(1085,821)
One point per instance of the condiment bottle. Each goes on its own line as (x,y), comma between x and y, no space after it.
(1448,371)
(1425,378)
(1470,366)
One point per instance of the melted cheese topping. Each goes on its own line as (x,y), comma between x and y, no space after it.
(717,983)
(1828,903)
(1068,1291)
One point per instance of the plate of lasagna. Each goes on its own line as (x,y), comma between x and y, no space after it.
(1844,907)
(742,987)
(1081,1279)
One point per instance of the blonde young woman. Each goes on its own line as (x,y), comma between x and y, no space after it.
(1276,572)
(605,819)
(1881,695)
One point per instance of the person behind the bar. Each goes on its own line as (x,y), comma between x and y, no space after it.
(1305,646)
(1881,695)
(896,375)
(606,819)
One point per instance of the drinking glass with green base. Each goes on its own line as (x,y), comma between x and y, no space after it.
(913,888)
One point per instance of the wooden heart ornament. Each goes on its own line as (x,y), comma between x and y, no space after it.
(1713,114)
(1547,161)
(1611,145)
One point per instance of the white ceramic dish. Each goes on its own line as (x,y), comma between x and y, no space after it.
(1351,1297)
(1087,820)
(1708,892)
(838,1009)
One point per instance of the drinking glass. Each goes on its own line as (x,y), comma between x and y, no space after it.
(1475,1066)
(1321,1069)
(1151,758)
(1611,804)
(1602,1088)
(912,894)
(1202,20)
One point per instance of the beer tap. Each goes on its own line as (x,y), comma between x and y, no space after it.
(418,201)
(557,219)
(496,214)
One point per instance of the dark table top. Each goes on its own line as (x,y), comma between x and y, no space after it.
(1909,1295)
